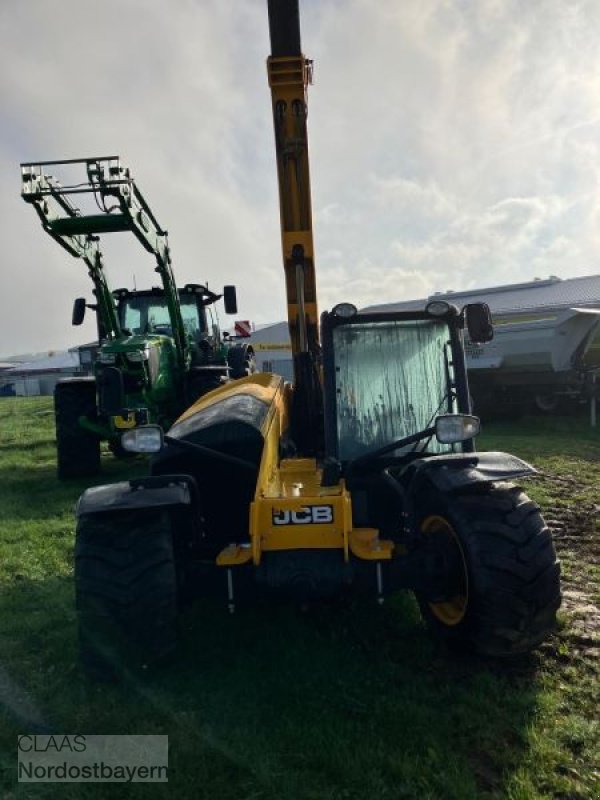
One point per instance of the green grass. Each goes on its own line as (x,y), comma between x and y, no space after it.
(345,701)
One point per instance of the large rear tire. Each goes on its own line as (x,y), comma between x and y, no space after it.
(78,450)
(547,403)
(241,362)
(126,591)
(505,601)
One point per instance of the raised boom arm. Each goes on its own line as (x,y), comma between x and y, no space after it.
(290,72)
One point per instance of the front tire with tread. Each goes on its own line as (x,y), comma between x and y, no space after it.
(512,585)
(126,591)
(78,450)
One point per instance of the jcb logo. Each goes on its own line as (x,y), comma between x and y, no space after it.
(307,515)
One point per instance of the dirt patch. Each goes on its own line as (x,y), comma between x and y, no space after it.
(576,537)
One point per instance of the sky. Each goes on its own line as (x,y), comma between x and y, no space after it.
(454,144)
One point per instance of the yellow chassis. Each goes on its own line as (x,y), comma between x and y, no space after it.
(291,509)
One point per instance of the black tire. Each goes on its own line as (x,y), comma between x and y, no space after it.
(506,600)
(200,384)
(547,403)
(78,450)
(241,362)
(126,591)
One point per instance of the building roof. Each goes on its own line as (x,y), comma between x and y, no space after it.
(48,363)
(552,293)
(277,333)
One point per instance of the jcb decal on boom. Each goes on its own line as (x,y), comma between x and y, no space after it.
(306,515)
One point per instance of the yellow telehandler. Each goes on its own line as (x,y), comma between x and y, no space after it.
(362,475)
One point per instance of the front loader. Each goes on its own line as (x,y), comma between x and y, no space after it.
(157,350)
(362,476)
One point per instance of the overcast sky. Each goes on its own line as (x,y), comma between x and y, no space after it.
(454,144)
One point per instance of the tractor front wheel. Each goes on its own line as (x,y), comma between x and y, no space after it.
(506,591)
(78,450)
(126,590)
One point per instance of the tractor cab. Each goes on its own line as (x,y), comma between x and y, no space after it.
(147,312)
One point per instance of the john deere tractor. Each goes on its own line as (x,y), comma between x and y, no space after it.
(363,475)
(157,351)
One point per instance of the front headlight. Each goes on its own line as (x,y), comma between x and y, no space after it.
(107,358)
(137,356)
(145,439)
(452,428)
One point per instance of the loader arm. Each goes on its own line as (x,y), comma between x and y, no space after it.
(289,74)
(79,233)
(52,207)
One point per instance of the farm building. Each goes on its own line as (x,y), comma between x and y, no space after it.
(39,377)
(273,350)
(7,388)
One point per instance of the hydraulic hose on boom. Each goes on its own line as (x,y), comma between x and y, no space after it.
(290,72)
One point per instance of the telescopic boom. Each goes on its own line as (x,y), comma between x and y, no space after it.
(290,73)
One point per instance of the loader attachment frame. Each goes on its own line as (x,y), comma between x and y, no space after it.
(122,207)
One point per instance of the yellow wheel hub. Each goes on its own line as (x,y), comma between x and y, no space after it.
(451,611)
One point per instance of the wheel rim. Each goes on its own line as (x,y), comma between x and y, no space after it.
(452,610)
(546,402)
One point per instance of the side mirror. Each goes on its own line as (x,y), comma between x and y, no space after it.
(78,311)
(230,299)
(479,322)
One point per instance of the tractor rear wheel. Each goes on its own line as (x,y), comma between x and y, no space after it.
(547,403)
(504,601)
(241,362)
(200,383)
(78,450)
(126,590)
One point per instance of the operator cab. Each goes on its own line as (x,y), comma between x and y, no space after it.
(389,378)
(395,394)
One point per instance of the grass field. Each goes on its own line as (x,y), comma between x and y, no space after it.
(345,701)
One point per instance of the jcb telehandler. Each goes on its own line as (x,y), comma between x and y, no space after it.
(367,479)
(157,351)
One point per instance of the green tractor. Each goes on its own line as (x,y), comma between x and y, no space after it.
(157,349)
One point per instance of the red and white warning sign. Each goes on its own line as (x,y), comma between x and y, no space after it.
(243,327)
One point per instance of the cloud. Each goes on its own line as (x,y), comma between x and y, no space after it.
(452,145)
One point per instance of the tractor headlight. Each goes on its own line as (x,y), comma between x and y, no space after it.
(451,428)
(107,358)
(145,439)
(137,356)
